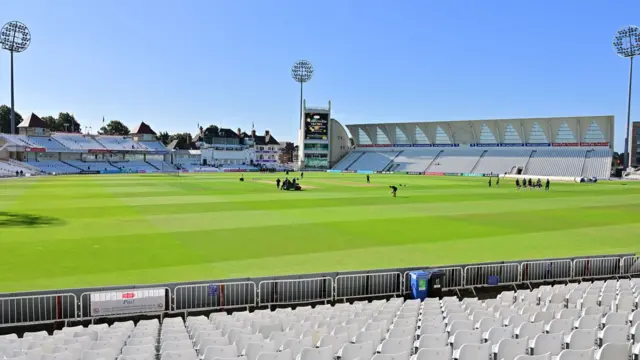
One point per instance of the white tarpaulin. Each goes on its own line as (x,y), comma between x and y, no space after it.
(119,302)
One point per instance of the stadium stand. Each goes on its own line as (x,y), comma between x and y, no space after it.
(77,141)
(556,162)
(542,323)
(456,160)
(91,165)
(54,167)
(348,160)
(598,163)
(414,160)
(499,161)
(373,161)
(119,143)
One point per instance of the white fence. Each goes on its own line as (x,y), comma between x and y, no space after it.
(63,307)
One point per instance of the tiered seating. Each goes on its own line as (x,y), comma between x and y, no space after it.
(347,160)
(556,162)
(373,161)
(20,140)
(47,143)
(119,143)
(153,146)
(598,320)
(54,166)
(414,160)
(456,160)
(162,165)
(498,161)
(134,166)
(9,169)
(598,164)
(91,166)
(77,141)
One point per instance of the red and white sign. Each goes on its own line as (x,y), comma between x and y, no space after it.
(107,303)
(38,150)
(565,144)
(98,151)
(594,144)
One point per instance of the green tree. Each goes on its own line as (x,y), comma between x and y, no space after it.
(184,141)
(67,122)
(114,127)
(163,137)
(53,123)
(5,119)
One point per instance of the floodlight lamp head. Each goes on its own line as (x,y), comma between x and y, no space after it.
(302,71)
(15,36)
(626,43)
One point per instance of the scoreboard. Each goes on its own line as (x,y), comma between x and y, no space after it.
(316,126)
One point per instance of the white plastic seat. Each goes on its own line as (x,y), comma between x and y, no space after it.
(278,337)
(614,334)
(487,323)
(399,356)
(267,329)
(99,345)
(588,322)
(254,349)
(516,320)
(442,353)
(509,349)
(59,356)
(544,316)
(581,339)
(395,345)
(106,354)
(226,351)
(334,341)
(572,314)
(364,336)
(547,344)
(634,318)
(180,355)
(559,325)
(281,355)
(400,333)
(351,330)
(403,323)
(473,352)
(569,354)
(496,334)
(141,341)
(176,346)
(323,353)
(432,328)
(244,339)
(615,318)
(211,341)
(296,345)
(431,341)
(350,351)
(138,350)
(465,337)
(534,357)
(202,334)
(74,349)
(614,351)
(529,330)
(460,325)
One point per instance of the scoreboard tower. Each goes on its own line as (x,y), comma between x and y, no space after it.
(314,138)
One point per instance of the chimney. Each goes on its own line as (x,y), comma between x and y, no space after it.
(201,130)
(253,133)
(267,136)
(239,132)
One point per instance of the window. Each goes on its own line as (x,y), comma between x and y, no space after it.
(401,138)
(486,136)
(594,134)
(381,138)
(511,135)
(537,135)
(441,136)
(421,138)
(364,139)
(564,134)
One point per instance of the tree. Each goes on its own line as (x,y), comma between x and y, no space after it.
(114,127)
(67,122)
(53,123)
(163,137)
(184,141)
(5,119)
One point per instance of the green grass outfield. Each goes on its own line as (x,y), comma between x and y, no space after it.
(76,231)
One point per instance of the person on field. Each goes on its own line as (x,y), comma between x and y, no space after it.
(517,185)
(394,190)
(524,183)
(368,180)
(489,181)
(539,184)
(546,185)
(301,175)
(530,184)
(278,183)
(498,181)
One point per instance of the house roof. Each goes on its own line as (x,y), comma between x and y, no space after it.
(261,140)
(227,133)
(143,128)
(33,121)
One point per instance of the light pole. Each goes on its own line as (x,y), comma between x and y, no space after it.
(626,43)
(301,72)
(15,37)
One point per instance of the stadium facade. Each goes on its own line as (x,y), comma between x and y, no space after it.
(37,150)
(562,146)
(634,152)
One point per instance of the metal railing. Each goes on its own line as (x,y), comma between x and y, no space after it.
(34,308)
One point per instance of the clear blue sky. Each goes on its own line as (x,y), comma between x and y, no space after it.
(175,64)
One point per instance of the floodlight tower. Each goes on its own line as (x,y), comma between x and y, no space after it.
(15,37)
(301,72)
(626,43)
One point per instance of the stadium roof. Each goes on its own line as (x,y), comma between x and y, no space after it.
(34,121)
(143,128)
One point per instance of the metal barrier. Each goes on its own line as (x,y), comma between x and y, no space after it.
(494,274)
(630,265)
(596,267)
(297,291)
(541,271)
(36,309)
(214,296)
(367,285)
